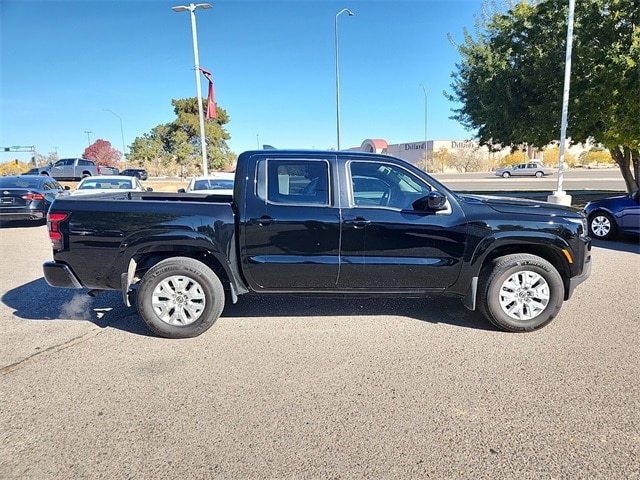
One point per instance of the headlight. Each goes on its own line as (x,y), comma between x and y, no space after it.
(581,222)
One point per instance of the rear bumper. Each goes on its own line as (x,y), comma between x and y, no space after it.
(60,275)
(23,215)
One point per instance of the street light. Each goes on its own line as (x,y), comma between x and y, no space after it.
(192,8)
(560,196)
(338,73)
(426,163)
(121,134)
(88,136)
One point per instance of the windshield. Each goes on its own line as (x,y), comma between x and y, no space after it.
(213,184)
(99,183)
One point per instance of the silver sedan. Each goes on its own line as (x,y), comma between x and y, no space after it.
(533,169)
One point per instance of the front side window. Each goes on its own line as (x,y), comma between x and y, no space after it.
(297,182)
(384,185)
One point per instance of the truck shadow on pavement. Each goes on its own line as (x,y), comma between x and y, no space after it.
(37,301)
(449,311)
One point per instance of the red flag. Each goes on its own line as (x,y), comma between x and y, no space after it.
(211,101)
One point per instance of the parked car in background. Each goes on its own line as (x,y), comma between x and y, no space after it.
(109,184)
(70,169)
(609,216)
(218,183)
(533,169)
(141,173)
(24,197)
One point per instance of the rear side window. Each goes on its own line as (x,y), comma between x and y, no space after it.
(295,182)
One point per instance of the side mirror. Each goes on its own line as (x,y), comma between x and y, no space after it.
(67,187)
(182,190)
(149,189)
(434,201)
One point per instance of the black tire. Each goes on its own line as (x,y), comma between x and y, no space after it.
(602,226)
(180,298)
(520,293)
(506,175)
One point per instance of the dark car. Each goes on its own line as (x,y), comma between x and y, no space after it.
(141,173)
(28,197)
(33,171)
(610,216)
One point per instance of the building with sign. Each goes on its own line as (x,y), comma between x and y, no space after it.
(414,152)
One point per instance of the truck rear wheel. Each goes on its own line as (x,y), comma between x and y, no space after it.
(180,298)
(520,293)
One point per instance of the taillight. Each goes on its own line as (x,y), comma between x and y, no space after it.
(33,196)
(53,224)
(98,169)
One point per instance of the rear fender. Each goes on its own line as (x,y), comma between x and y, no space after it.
(138,255)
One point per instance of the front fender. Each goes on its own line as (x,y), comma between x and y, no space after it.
(543,244)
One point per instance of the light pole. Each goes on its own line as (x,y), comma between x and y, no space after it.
(192,8)
(121,134)
(426,150)
(88,136)
(338,73)
(560,196)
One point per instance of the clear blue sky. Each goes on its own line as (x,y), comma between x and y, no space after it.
(273,62)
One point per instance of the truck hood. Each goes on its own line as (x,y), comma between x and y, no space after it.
(522,206)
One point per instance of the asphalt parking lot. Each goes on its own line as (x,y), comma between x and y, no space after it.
(286,387)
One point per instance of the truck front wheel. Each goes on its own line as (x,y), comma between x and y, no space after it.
(180,298)
(520,293)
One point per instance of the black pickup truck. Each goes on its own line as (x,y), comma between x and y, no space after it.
(319,223)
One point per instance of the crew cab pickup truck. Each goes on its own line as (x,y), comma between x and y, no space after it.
(73,169)
(319,223)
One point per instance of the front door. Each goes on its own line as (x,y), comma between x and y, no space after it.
(388,245)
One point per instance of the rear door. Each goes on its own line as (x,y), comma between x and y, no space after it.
(291,228)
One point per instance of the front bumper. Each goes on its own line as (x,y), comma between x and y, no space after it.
(586,271)
(60,275)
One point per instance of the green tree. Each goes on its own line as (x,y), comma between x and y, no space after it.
(151,149)
(178,142)
(510,79)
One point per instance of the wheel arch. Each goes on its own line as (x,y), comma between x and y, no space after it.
(546,246)
(139,258)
